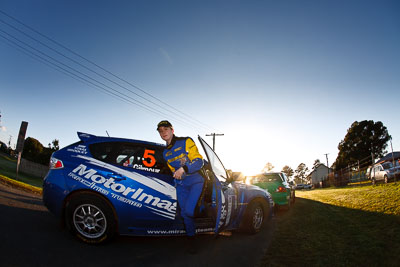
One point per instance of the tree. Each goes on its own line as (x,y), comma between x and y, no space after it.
(362,139)
(316,163)
(36,152)
(301,173)
(288,171)
(54,145)
(268,167)
(32,149)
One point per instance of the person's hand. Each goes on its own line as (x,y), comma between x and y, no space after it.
(178,174)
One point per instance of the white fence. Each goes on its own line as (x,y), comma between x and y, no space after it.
(33,168)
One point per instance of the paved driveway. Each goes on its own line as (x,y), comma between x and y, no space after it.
(31,236)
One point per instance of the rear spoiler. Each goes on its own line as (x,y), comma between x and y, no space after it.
(85,136)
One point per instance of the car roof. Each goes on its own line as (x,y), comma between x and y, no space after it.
(90,138)
(268,174)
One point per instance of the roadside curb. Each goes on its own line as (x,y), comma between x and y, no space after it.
(23,186)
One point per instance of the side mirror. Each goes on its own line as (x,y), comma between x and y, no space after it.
(234,176)
(229,178)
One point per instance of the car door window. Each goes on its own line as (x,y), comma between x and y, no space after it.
(131,155)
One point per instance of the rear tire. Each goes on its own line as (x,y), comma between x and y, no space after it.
(90,218)
(373,181)
(254,217)
(385,179)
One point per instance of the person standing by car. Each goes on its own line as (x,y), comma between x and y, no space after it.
(185,162)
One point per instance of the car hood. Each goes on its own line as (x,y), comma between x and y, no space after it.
(252,187)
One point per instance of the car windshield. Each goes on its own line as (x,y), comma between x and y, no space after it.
(268,177)
(387,165)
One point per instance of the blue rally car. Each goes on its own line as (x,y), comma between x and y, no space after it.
(102,186)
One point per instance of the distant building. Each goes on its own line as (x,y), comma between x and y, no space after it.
(319,174)
(388,157)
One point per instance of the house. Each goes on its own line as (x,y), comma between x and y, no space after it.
(388,157)
(319,174)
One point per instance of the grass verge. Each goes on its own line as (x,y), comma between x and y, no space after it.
(354,226)
(8,167)
(21,185)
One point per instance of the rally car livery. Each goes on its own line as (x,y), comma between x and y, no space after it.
(102,186)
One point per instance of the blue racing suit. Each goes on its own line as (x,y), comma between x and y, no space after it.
(183,152)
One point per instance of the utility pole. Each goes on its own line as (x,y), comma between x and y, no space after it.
(392,158)
(373,160)
(213,135)
(327,164)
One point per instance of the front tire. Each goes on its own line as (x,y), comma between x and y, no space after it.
(254,217)
(385,179)
(90,218)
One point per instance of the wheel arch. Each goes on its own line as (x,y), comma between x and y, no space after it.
(85,191)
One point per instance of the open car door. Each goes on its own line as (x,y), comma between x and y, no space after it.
(223,195)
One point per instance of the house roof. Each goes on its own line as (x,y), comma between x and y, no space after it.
(317,166)
(388,156)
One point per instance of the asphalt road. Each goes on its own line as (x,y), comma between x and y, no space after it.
(31,236)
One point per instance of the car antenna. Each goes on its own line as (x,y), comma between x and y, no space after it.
(107,133)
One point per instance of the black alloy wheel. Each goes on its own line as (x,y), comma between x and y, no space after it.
(254,217)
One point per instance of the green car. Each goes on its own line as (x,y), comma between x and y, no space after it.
(277,184)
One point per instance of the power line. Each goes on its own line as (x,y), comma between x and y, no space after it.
(76,62)
(90,78)
(177,113)
(75,76)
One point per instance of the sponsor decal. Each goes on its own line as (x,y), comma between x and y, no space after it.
(230,201)
(133,196)
(223,211)
(141,167)
(125,200)
(81,149)
(177,149)
(89,184)
(177,231)
(182,161)
(151,182)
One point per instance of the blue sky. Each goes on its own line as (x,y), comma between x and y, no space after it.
(282,80)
